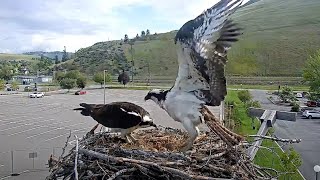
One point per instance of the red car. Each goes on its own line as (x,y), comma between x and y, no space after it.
(80,92)
(311,103)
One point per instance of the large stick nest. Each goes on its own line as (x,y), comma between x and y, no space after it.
(155,156)
(217,153)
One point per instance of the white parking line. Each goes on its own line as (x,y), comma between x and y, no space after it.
(7,177)
(60,108)
(53,130)
(18,122)
(15,117)
(64,134)
(26,124)
(37,127)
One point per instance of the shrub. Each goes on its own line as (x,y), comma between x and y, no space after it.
(244,96)
(98,78)
(67,83)
(287,95)
(15,85)
(295,107)
(81,82)
(2,84)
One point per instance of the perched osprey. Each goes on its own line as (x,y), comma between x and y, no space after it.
(123,117)
(202,45)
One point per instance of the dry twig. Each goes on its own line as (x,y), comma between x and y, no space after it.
(276,139)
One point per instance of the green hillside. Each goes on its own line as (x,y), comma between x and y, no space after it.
(278,37)
(159,55)
(16,57)
(103,55)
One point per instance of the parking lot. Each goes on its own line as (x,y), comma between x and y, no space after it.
(42,126)
(305,129)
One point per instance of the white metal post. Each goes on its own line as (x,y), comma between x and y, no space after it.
(104,94)
(104,87)
(222,112)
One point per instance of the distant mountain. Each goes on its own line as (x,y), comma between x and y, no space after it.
(50,55)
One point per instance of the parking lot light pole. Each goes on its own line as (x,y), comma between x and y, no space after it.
(104,86)
(316,169)
(104,93)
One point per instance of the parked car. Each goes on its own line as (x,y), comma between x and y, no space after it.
(311,104)
(299,95)
(311,114)
(36,95)
(305,108)
(80,92)
(11,89)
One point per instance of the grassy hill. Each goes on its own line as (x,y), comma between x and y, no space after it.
(278,37)
(157,56)
(17,57)
(102,55)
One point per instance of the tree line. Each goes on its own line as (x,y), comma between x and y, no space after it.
(8,69)
(75,78)
(144,35)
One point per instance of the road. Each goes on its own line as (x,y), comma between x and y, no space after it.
(306,129)
(42,126)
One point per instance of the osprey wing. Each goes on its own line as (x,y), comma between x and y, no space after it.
(122,115)
(203,43)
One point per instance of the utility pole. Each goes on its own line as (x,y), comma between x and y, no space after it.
(131,42)
(149,74)
(104,86)
(132,65)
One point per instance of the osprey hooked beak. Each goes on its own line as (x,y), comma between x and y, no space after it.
(148,124)
(147,97)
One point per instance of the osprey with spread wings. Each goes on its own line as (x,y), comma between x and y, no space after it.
(202,45)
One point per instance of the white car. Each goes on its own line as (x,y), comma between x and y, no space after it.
(299,95)
(311,114)
(36,95)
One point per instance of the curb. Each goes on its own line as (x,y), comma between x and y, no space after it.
(271,101)
(3,94)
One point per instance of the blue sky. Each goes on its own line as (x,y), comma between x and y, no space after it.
(49,25)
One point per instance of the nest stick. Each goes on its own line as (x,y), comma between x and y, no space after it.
(76,158)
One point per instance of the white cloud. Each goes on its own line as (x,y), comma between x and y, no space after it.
(50,25)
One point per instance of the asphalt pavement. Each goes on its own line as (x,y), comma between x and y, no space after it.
(306,129)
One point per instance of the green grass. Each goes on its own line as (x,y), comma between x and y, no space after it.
(264,157)
(267,87)
(241,114)
(17,57)
(279,35)
(159,54)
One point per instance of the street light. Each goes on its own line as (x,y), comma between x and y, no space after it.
(316,169)
(104,86)
(104,93)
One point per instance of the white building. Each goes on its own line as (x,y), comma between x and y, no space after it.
(32,79)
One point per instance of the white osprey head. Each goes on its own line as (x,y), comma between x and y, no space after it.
(156,95)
